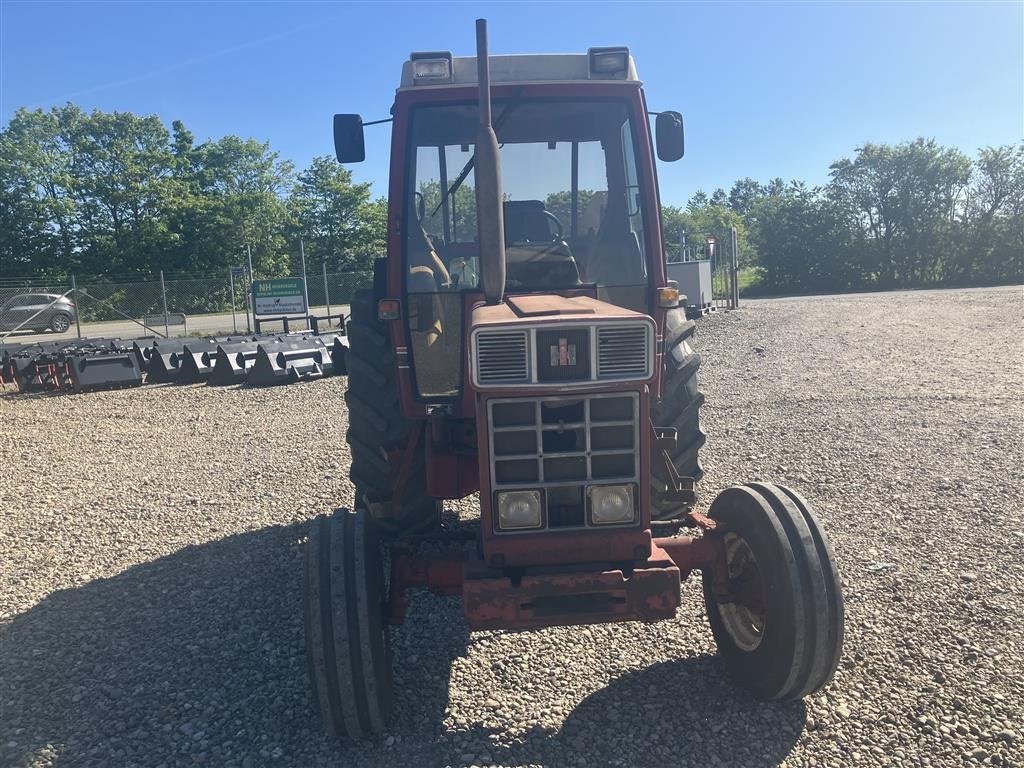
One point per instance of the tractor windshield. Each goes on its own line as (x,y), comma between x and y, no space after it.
(573,215)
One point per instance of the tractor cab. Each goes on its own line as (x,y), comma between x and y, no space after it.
(579,204)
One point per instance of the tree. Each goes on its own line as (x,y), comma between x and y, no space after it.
(698,201)
(744,193)
(239,202)
(461,211)
(336,219)
(37,195)
(905,197)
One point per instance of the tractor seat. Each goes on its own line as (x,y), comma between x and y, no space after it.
(535,257)
(544,265)
(526,222)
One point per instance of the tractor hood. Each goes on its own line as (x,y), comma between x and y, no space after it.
(552,340)
(532,308)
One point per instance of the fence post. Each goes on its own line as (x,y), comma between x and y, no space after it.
(163,293)
(735,270)
(327,294)
(305,284)
(248,294)
(231,279)
(78,307)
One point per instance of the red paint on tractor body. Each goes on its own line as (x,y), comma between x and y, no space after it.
(590,593)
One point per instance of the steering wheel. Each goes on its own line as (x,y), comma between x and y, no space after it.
(559,229)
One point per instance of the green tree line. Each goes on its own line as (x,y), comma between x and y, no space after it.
(914,214)
(119,194)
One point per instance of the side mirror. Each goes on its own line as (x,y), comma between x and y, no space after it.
(348,139)
(668,130)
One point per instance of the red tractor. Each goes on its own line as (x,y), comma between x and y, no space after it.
(521,341)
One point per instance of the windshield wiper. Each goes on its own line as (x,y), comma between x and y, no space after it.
(469,163)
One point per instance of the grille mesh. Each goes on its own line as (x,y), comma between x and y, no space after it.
(622,351)
(501,357)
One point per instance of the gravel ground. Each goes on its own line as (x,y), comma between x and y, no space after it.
(150,554)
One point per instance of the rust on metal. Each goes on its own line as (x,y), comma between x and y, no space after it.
(402,458)
(703,553)
(441,574)
(702,521)
(539,598)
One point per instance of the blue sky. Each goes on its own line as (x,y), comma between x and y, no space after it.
(766,89)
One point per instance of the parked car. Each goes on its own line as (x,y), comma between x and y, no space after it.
(48,311)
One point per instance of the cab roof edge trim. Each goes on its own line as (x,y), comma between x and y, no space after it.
(525,68)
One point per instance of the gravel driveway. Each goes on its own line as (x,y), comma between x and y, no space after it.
(150,553)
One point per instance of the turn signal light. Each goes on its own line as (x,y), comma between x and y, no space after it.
(668,296)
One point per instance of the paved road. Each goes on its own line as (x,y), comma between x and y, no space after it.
(198,325)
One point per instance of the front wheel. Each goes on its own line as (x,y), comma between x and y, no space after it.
(779,630)
(346,637)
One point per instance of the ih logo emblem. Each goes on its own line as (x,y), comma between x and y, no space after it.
(563,353)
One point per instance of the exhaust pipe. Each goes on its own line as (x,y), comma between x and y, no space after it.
(487,169)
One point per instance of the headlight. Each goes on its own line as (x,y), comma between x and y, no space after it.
(519,509)
(430,68)
(610,504)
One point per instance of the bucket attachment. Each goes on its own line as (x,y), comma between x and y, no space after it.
(143,350)
(195,362)
(339,348)
(164,359)
(101,369)
(234,360)
(136,347)
(290,361)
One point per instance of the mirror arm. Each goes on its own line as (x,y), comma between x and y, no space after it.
(378,122)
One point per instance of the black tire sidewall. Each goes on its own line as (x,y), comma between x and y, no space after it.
(766,669)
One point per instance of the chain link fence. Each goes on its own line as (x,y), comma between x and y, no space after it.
(157,305)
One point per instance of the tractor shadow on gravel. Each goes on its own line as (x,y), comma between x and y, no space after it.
(198,657)
(195,657)
(688,712)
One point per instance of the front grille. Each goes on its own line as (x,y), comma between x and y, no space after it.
(623,352)
(501,357)
(561,445)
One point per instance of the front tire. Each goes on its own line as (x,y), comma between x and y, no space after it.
(780,633)
(346,637)
(376,427)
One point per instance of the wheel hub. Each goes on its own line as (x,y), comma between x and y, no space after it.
(744,617)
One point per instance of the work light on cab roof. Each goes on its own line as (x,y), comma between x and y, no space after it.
(521,343)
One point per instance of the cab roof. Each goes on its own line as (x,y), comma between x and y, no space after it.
(521,68)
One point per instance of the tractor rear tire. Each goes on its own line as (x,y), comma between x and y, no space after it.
(376,426)
(679,408)
(782,635)
(346,638)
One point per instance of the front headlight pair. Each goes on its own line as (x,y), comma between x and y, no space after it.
(606,505)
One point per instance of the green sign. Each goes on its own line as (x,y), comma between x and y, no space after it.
(281,296)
